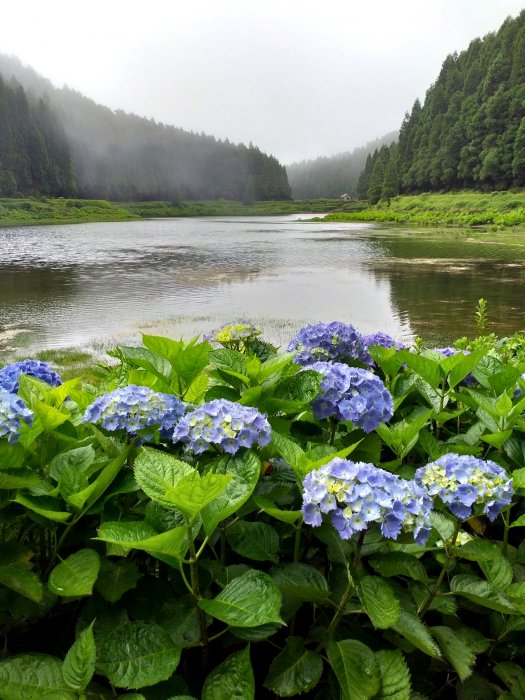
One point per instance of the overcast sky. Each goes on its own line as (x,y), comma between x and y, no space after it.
(297,78)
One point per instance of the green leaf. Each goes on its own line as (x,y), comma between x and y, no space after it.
(388,359)
(231,680)
(80,458)
(136,655)
(427,368)
(395,676)
(274,366)
(479,550)
(32,677)
(455,651)
(498,572)
(150,361)
(292,453)
(304,387)
(481,592)
(22,581)
(268,506)
(157,473)
(518,478)
(172,544)
(44,506)
(399,564)
(196,389)
(115,578)
(244,471)
(180,619)
(79,664)
(193,493)
(50,417)
(497,439)
(356,668)
(301,582)
(248,601)
(494,374)
(76,575)
(378,601)
(410,627)
(463,365)
(513,676)
(295,670)
(18,479)
(166,347)
(254,540)
(229,360)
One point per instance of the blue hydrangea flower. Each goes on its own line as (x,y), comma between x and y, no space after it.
(336,342)
(357,495)
(10,374)
(465,484)
(135,408)
(351,393)
(226,424)
(13,411)
(383,340)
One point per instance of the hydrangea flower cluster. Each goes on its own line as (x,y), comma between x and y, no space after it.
(10,374)
(383,340)
(464,482)
(135,408)
(223,423)
(351,393)
(357,495)
(233,333)
(336,342)
(13,411)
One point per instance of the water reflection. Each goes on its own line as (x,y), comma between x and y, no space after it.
(70,284)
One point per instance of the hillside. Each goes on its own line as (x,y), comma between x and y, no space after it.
(121,156)
(470,130)
(331,176)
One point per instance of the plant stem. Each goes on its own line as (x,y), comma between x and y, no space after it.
(332,422)
(506,521)
(446,565)
(297,544)
(194,577)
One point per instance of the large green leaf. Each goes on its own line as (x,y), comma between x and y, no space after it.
(379,601)
(150,361)
(76,575)
(410,627)
(139,535)
(455,651)
(231,680)
(356,668)
(79,664)
(193,493)
(295,670)
(254,540)
(481,592)
(32,677)
(157,473)
(22,581)
(136,655)
(244,472)
(399,564)
(18,479)
(248,601)
(48,508)
(479,550)
(268,506)
(80,458)
(115,578)
(301,582)
(427,368)
(498,572)
(395,676)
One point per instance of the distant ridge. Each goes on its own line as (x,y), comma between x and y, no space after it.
(332,176)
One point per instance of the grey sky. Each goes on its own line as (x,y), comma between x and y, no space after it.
(298,78)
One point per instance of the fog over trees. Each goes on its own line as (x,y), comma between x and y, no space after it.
(118,156)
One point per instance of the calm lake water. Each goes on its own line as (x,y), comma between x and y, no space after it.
(101,283)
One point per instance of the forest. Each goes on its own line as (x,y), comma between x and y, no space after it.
(470,130)
(57,142)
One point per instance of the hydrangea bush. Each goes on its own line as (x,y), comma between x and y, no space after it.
(203,522)
(10,374)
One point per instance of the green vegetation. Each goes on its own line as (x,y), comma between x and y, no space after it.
(470,131)
(195,561)
(495,209)
(20,212)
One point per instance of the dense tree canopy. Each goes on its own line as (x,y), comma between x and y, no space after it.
(121,156)
(470,131)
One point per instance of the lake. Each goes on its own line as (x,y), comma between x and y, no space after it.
(97,284)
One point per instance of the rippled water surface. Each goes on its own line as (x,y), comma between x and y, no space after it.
(105,282)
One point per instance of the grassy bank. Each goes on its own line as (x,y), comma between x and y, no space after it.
(34,211)
(497,209)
